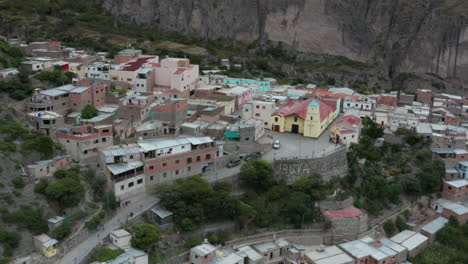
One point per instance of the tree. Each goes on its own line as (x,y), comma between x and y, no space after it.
(187,225)
(62,231)
(10,241)
(371,129)
(67,192)
(401,224)
(193,241)
(257,174)
(144,236)
(89,112)
(29,218)
(389,227)
(18,182)
(41,186)
(312,185)
(300,209)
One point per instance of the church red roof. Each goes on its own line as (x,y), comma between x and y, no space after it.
(299,108)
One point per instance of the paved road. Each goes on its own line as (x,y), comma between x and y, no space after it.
(297,146)
(78,253)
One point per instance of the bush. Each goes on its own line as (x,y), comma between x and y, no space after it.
(89,112)
(389,227)
(41,186)
(187,225)
(95,221)
(104,254)
(18,182)
(144,236)
(62,231)
(67,192)
(401,224)
(10,241)
(29,218)
(193,241)
(42,144)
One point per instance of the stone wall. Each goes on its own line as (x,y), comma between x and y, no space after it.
(354,225)
(336,205)
(334,164)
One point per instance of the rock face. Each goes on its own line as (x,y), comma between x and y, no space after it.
(402,35)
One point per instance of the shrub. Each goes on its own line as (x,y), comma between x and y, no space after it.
(67,192)
(18,182)
(41,186)
(401,224)
(389,227)
(29,218)
(89,112)
(62,231)
(95,221)
(104,254)
(193,241)
(145,235)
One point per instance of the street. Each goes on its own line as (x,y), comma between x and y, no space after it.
(78,253)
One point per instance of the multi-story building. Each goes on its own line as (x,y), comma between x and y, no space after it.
(424,96)
(309,118)
(129,71)
(83,142)
(133,168)
(172,113)
(97,70)
(136,107)
(46,168)
(244,95)
(176,74)
(259,110)
(359,103)
(264,86)
(46,121)
(68,97)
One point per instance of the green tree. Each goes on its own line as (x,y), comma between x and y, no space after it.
(389,227)
(257,174)
(18,182)
(312,185)
(30,218)
(41,186)
(187,225)
(89,112)
(62,231)
(401,224)
(144,236)
(193,241)
(371,129)
(67,192)
(10,241)
(300,209)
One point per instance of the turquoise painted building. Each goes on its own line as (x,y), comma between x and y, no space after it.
(265,86)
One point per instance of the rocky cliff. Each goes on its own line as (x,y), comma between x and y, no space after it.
(402,35)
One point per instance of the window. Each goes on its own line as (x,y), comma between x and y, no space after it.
(247,139)
(177,162)
(131,184)
(208,156)
(96,141)
(295,119)
(258,107)
(246,110)
(122,187)
(105,131)
(198,158)
(177,172)
(189,160)
(151,178)
(151,167)
(266,123)
(189,168)
(131,156)
(140,181)
(311,118)
(276,119)
(257,114)
(263,107)
(104,139)
(85,152)
(183,147)
(164,164)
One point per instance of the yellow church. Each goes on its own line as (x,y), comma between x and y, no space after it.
(309,117)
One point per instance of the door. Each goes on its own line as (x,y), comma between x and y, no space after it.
(295,129)
(276,128)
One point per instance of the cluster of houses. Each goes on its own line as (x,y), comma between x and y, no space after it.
(367,249)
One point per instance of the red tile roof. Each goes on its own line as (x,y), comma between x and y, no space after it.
(387,100)
(349,119)
(299,108)
(347,131)
(350,212)
(137,64)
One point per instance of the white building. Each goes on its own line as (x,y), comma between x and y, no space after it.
(121,238)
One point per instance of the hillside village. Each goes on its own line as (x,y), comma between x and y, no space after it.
(144,121)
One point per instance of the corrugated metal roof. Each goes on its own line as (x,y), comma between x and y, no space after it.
(53,92)
(199,140)
(161,212)
(434,226)
(120,151)
(80,89)
(118,168)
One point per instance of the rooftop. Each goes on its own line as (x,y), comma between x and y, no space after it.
(350,212)
(118,168)
(359,249)
(204,249)
(458,183)
(120,233)
(409,239)
(434,226)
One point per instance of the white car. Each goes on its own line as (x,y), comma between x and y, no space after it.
(276,144)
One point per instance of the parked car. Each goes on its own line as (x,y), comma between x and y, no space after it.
(234,163)
(253,155)
(276,144)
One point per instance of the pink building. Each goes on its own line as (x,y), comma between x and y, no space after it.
(176,74)
(456,190)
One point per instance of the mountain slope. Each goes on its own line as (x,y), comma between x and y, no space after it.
(404,36)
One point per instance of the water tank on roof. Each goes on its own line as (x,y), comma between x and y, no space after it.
(39,114)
